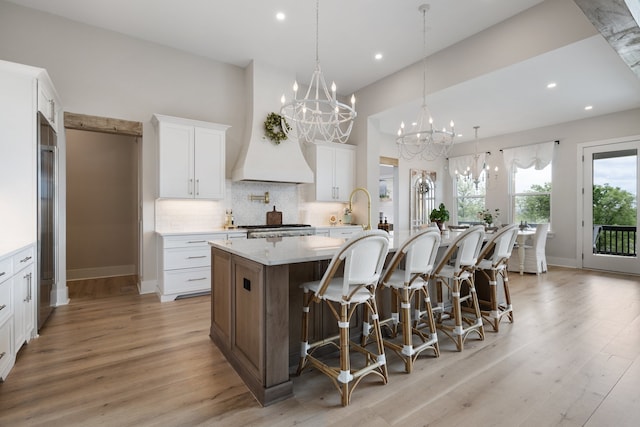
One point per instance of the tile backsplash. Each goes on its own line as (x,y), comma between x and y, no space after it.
(175,215)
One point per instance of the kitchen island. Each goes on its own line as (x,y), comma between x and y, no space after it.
(256,304)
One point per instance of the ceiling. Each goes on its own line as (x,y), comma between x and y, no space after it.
(352,32)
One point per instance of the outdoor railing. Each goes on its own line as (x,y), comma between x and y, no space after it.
(614,240)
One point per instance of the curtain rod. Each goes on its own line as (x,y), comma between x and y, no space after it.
(557,141)
(486,152)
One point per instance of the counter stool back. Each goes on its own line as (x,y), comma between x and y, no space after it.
(407,284)
(363,258)
(492,264)
(455,270)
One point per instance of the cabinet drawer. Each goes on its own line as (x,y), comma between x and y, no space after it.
(6,269)
(344,233)
(187,257)
(23,259)
(186,281)
(6,352)
(191,241)
(5,301)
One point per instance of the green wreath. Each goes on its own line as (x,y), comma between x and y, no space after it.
(273,127)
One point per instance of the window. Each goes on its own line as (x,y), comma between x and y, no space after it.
(470,198)
(531,168)
(531,201)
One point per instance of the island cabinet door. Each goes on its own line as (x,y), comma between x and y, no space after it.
(247,335)
(221,294)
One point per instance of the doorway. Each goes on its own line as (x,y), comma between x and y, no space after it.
(610,207)
(388,182)
(103,198)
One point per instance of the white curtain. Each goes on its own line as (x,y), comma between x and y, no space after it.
(475,162)
(536,155)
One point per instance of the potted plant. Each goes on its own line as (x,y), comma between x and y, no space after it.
(489,217)
(440,215)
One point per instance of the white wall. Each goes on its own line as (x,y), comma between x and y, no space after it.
(555,24)
(103,73)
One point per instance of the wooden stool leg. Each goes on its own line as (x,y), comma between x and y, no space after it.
(379,341)
(407,348)
(457,314)
(476,306)
(304,331)
(430,320)
(344,377)
(495,312)
(507,294)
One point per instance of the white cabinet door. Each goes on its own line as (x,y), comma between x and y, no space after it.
(23,305)
(191,158)
(48,103)
(209,162)
(176,160)
(344,176)
(325,188)
(334,167)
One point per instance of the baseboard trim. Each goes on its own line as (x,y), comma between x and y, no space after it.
(99,272)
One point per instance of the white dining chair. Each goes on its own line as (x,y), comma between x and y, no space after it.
(535,258)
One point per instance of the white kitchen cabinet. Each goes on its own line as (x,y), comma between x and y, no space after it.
(185,263)
(48,103)
(7,352)
(24,307)
(191,158)
(339,231)
(17,304)
(334,166)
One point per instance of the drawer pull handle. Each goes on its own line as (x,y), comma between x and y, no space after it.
(194,257)
(196,280)
(2,354)
(3,273)
(2,306)
(25,259)
(196,241)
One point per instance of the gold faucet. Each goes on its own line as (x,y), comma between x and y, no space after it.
(368,227)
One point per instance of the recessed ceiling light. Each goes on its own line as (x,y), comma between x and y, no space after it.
(280,16)
(551,85)
(378,56)
(588,107)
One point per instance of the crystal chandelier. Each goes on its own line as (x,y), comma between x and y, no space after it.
(475,171)
(423,140)
(319,115)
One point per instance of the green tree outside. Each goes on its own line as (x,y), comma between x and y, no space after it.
(470,199)
(613,206)
(535,208)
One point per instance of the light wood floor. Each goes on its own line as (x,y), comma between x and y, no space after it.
(571,358)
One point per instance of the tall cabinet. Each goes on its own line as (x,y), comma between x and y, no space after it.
(191,158)
(28,100)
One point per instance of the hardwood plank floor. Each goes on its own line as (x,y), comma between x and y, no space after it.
(571,358)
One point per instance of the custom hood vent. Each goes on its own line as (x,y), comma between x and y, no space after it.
(260,159)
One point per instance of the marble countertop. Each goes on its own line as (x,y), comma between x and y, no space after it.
(188,233)
(295,249)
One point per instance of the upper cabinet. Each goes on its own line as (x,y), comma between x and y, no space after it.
(19,104)
(48,103)
(334,166)
(191,158)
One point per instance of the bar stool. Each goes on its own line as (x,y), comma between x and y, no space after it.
(455,269)
(492,264)
(363,258)
(407,285)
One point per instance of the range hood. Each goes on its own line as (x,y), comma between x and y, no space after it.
(260,159)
